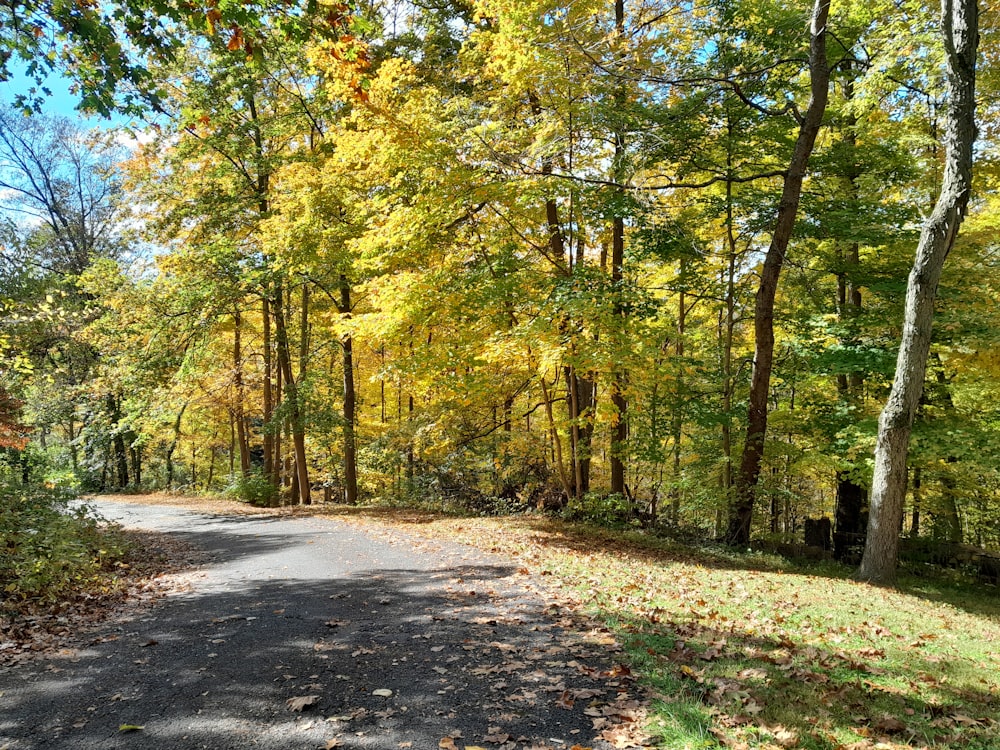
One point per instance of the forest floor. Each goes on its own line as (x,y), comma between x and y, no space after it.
(738,651)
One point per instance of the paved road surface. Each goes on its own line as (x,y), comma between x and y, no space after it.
(290,608)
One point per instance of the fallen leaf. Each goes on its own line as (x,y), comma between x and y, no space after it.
(382,692)
(301,702)
(785,737)
(130,728)
(330,744)
(964,720)
(889,725)
(447,743)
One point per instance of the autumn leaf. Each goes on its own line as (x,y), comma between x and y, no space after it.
(964,720)
(211,18)
(447,743)
(236,40)
(565,700)
(889,725)
(302,702)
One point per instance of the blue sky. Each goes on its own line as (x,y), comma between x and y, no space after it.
(61,102)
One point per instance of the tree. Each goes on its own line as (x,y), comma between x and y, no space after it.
(741,513)
(64,180)
(62,189)
(960,36)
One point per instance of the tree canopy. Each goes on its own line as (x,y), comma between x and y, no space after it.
(638,262)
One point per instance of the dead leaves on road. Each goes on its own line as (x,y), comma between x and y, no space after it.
(519,666)
(302,702)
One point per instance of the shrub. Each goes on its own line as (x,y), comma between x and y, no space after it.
(607,510)
(255,489)
(49,545)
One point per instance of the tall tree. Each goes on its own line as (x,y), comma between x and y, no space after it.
(741,513)
(960,37)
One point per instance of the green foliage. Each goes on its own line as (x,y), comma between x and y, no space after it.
(49,544)
(255,489)
(612,510)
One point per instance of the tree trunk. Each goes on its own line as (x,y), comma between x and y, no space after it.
(118,449)
(239,413)
(556,442)
(135,454)
(959,28)
(727,329)
(173,446)
(849,528)
(741,514)
(270,461)
(851,497)
(279,472)
(580,404)
(619,432)
(292,397)
(949,486)
(74,454)
(677,417)
(350,449)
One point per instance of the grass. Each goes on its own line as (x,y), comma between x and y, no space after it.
(752,651)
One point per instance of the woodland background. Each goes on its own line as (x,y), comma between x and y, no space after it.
(500,256)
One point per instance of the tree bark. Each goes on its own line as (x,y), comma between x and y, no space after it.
(677,417)
(135,455)
(270,462)
(959,29)
(350,446)
(175,440)
(852,497)
(741,513)
(119,451)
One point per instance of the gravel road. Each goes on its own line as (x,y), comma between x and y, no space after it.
(383,640)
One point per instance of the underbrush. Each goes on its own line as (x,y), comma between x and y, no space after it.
(255,489)
(50,546)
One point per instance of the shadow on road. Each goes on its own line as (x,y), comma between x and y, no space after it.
(301,615)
